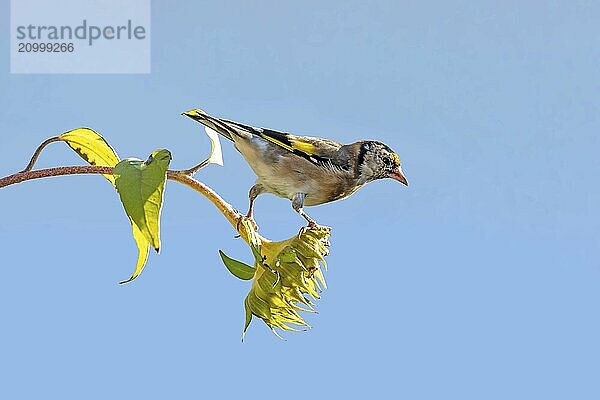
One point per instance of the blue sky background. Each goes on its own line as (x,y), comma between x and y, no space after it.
(479,281)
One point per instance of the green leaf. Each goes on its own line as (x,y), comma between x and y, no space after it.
(141,185)
(92,148)
(248,318)
(237,268)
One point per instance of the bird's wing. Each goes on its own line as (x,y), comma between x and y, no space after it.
(319,151)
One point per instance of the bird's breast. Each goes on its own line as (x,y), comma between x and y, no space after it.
(285,174)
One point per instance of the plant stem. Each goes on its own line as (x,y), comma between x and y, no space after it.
(194,169)
(35,156)
(179,176)
(58,171)
(232,215)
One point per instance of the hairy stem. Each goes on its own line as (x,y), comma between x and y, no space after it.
(194,169)
(179,176)
(35,156)
(232,215)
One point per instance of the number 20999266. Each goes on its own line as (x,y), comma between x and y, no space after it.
(26,47)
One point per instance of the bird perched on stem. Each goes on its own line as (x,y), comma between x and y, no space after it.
(306,170)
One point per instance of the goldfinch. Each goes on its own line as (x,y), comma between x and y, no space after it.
(306,170)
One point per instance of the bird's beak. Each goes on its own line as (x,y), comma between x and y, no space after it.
(399,176)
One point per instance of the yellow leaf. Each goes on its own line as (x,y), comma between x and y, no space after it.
(92,148)
(143,247)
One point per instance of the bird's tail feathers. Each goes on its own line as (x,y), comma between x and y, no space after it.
(214,123)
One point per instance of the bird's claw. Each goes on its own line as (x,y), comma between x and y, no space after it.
(312,225)
(241,218)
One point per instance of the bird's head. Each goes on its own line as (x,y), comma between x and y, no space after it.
(378,161)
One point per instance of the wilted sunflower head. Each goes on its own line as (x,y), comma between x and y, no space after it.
(286,277)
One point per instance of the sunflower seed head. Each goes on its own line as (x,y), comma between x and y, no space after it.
(288,278)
